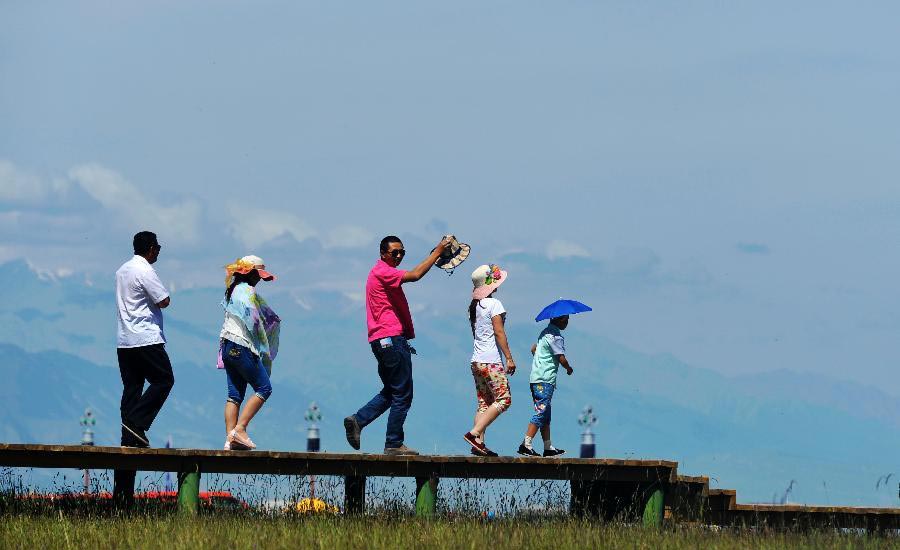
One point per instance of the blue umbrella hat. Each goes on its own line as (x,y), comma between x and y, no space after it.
(562,307)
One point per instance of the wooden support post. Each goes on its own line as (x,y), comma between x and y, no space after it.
(123,488)
(618,501)
(873,526)
(189,492)
(576,499)
(688,499)
(719,504)
(426,496)
(614,500)
(654,508)
(354,495)
(580,504)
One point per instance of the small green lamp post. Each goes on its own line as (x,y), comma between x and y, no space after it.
(87,438)
(587,419)
(313,444)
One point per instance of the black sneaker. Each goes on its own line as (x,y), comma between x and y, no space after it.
(487,452)
(351,426)
(553,452)
(134,437)
(525,451)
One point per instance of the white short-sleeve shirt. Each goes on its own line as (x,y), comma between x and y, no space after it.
(138,290)
(485,348)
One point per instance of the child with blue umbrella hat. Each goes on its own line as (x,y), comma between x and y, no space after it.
(549,353)
(562,307)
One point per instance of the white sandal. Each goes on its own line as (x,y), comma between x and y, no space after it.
(239,444)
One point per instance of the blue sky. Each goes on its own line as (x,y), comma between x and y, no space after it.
(719,181)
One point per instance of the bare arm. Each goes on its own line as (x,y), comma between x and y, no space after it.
(533,349)
(503,343)
(164,304)
(420,270)
(565,363)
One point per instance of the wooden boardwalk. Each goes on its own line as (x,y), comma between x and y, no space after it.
(338,464)
(639,490)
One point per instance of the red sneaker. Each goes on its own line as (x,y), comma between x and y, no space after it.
(473,441)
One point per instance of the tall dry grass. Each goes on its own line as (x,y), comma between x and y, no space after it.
(273,533)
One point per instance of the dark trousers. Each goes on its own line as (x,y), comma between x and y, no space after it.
(139,407)
(148,364)
(395,370)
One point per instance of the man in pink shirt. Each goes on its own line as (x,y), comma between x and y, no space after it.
(390,327)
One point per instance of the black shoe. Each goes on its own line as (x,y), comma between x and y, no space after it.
(525,451)
(351,425)
(486,452)
(553,452)
(134,437)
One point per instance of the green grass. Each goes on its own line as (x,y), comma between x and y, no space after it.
(268,533)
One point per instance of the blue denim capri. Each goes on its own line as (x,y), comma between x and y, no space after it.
(243,367)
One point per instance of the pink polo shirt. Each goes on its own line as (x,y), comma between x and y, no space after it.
(387,312)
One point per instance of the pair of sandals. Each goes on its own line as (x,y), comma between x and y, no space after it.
(478,447)
(234,442)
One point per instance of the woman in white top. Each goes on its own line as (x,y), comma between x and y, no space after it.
(486,317)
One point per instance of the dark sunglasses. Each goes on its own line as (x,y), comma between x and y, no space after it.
(398,253)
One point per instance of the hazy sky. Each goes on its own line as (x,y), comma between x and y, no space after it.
(718,179)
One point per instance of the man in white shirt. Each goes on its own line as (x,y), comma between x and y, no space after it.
(141,297)
(140,343)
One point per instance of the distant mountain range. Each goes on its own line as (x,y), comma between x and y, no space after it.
(750,433)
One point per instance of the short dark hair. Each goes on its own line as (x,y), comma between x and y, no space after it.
(385,242)
(144,241)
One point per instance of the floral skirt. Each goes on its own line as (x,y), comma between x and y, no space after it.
(491,386)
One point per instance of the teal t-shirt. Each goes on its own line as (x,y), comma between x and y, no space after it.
(545,364)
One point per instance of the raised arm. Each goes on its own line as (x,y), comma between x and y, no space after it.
(420,270)
(503,343)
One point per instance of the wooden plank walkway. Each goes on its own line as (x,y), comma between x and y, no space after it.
(723,509)
(604,487)
(338,464)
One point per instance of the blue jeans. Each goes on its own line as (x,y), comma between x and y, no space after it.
(395,370)
(243,367)
(542,394)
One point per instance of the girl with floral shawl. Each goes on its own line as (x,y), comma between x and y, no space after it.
(248,345)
